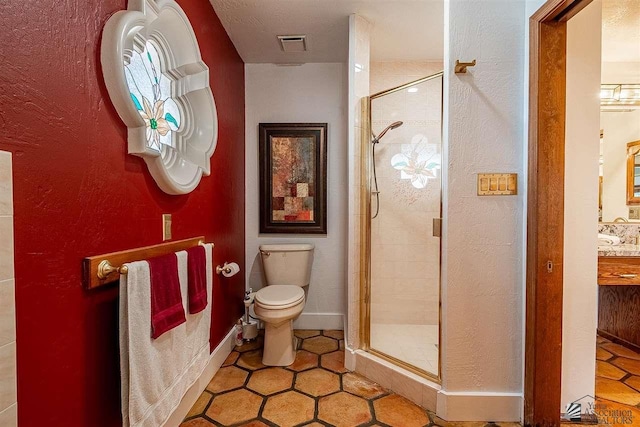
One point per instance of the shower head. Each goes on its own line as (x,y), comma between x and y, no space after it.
(393,125)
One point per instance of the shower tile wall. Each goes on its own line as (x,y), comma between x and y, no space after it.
(360,30)
(405,255)
(8,397)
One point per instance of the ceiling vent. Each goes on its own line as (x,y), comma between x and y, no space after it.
(293,43)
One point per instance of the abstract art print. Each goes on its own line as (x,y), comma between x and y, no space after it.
(293,172)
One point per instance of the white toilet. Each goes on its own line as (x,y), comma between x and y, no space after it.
(287,270)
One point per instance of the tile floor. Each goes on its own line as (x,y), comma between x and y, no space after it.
(316,390)
(618,379)
(414,344)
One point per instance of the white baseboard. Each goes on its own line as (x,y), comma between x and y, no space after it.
(479,406)
(326,321)
(216,359)
(350,359)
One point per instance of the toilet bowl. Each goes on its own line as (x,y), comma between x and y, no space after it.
(287,270)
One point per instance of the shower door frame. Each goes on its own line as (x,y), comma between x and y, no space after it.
(365,234)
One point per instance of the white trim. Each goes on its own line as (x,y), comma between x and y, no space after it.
(216,359)
(479,406)
(325,321)
(349,359)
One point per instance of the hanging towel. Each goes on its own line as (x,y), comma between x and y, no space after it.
(167,310)
(197,278)
(156,373)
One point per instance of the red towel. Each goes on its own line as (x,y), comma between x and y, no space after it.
(167,311)
(197,275)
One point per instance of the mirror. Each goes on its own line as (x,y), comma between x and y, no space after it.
(633,173)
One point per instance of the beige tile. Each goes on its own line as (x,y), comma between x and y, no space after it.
(6,248)
(6,179)
(8,375)
(9,417)
(7,312)
(407,387)
(429,398)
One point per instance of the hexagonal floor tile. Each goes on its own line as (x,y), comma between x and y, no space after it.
(251,360)
(395,410)
(200,405)
(197,422)
(361,386)
(234,407)
(320,345)
(305,333)
(304,360)
(231,358)
(344,410)
(289,409)
(616,391)
(333,361)
(607,370)
(630,365)
(621,351)
(251,345)
(256,423)
(633,382)
(227,378)
(270,380)
(334,334)
(602,354)
(317,382)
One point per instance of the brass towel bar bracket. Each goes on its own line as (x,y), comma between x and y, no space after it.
(103,269)
(461,67)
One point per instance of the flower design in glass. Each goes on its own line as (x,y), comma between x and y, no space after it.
(150,91)
(417,161)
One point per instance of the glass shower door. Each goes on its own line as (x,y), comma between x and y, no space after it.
(404,262)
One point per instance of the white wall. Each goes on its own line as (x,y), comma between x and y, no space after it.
(582,151)
(307,93)
(619,129)
(483,245)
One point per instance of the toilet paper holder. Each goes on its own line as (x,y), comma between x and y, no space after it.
(223,268)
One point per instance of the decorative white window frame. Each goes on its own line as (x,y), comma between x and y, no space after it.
(176,168)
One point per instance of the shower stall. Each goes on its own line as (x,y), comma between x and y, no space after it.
(401,230)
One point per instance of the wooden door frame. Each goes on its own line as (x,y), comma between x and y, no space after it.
(545,212)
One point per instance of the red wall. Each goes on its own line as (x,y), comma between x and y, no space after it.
(77,193)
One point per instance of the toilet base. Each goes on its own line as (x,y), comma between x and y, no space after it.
(279,344)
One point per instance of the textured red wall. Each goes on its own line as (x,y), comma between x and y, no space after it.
(77,193)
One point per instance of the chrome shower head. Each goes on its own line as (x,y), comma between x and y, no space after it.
(393,125)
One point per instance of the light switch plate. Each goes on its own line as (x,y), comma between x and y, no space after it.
(166,227)
(497,184)
(634,212)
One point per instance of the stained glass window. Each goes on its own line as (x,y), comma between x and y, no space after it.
(150,92)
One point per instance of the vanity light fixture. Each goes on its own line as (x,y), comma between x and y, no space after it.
(620,96)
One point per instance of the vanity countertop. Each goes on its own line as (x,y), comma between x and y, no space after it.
(619,250)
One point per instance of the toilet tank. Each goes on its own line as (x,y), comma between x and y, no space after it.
(287,264)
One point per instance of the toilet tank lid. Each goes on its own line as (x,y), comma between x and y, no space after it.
(287,247)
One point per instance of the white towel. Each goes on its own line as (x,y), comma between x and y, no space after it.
(607,239)
(155,374)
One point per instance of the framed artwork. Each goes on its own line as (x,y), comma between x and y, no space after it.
(293,178)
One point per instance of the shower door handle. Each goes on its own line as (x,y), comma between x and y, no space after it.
(437,227)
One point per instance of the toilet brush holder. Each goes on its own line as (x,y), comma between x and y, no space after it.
(249,330)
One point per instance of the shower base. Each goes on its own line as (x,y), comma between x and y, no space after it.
(413,344)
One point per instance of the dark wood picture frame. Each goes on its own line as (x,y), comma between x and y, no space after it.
(314,194)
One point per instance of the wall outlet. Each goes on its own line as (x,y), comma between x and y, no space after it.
(634,212)
(166,227)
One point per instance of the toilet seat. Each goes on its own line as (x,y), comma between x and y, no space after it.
(278,297)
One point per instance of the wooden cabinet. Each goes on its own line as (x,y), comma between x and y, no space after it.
(618,270)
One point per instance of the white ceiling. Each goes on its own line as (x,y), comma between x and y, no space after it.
(402,29)
(621,31)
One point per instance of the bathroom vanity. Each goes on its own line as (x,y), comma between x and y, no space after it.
(619,294)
